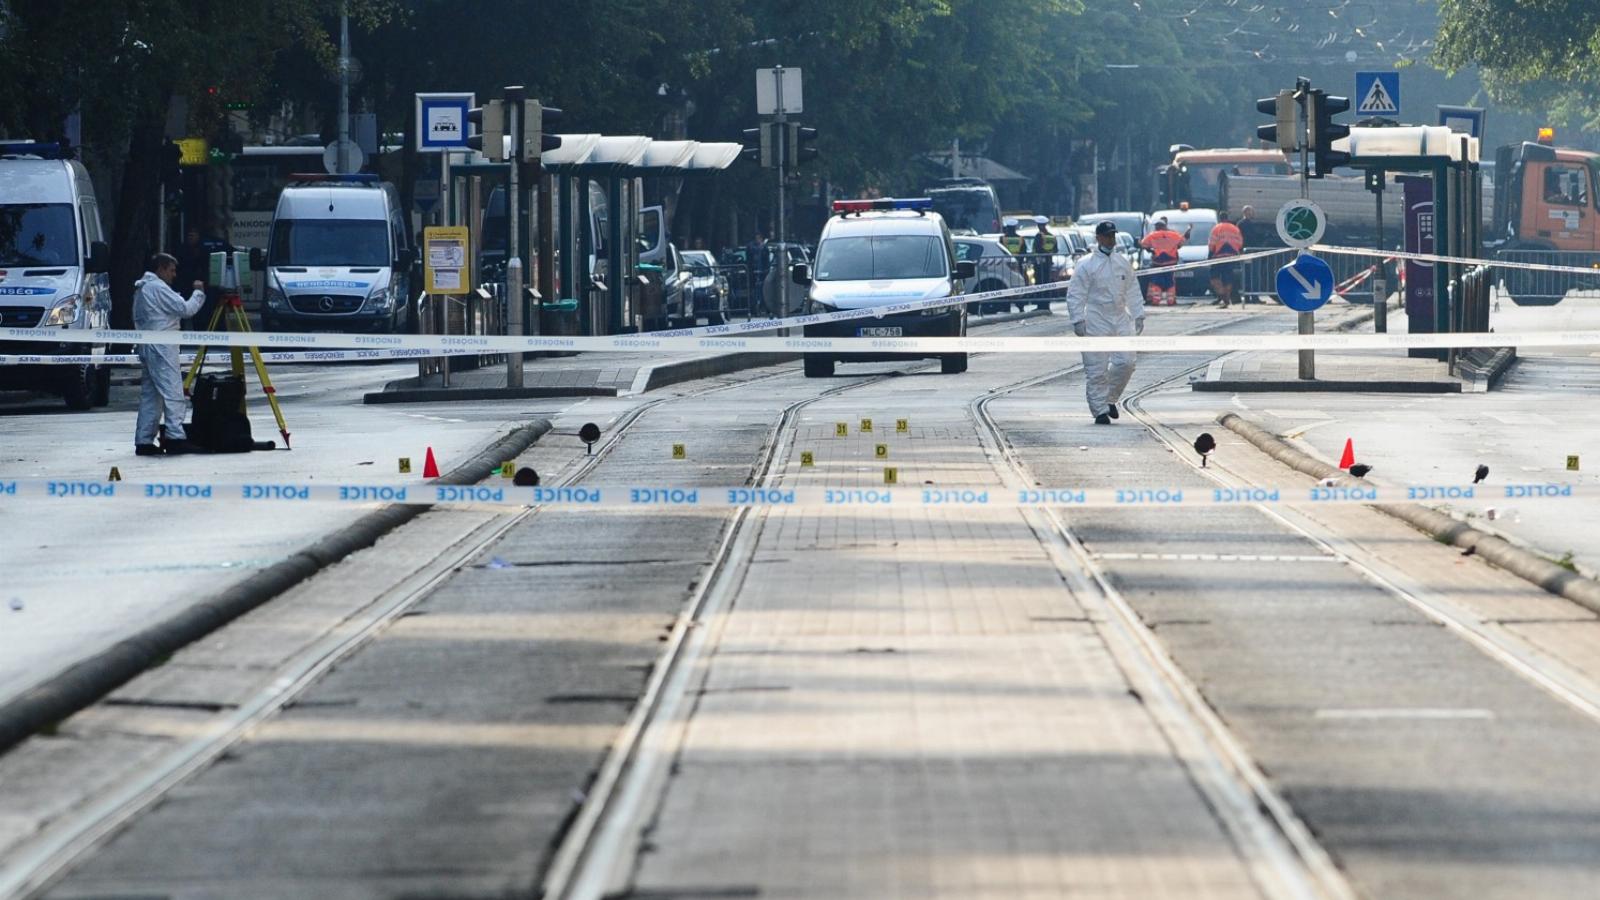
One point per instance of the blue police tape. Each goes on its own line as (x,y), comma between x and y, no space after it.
(809,497)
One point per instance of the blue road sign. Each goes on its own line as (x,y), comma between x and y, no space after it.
(1378,94)
(1305,284)
(442,122)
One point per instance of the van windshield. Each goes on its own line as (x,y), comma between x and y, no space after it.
(973,208)
(880,257)
(37,234)
(330,242)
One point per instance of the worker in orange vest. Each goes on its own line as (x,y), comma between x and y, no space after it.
(1163,244)
(1226,240)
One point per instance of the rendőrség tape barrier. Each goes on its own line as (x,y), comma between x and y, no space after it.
(677,496)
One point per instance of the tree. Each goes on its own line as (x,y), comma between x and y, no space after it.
(1536,54)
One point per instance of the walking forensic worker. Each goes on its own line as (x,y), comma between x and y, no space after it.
(1103,299)
(157,307)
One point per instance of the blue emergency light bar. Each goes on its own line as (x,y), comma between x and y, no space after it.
(31,148)
(855,206)
(322,178)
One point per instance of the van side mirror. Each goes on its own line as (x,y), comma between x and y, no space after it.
(800,273)
(99,261)
(258,260)
(966,268)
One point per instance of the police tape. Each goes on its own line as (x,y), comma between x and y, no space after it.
(867,342)
(808,497)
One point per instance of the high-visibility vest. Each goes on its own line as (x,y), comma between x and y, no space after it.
(1163,246)
(1046,243)
(1013,243)
(1226,240)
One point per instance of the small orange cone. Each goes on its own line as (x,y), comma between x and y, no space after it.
(1348,459)
(430,469)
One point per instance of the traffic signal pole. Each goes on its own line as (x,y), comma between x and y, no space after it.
(514,326)
(1304,133)
(780,140)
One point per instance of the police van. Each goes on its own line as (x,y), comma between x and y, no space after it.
(876,253)
(53,270)
(337,257)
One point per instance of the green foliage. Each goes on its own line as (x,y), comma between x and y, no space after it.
(1539,55)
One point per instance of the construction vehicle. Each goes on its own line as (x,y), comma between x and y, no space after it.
(1546,211)
(1194,176)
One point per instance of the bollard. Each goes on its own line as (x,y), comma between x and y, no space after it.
(1308,358)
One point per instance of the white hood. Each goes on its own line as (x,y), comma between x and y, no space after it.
(17,289)
(868,294)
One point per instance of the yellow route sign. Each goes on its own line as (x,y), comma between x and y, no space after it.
(445,266)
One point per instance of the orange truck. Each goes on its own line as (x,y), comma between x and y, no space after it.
(1546,211)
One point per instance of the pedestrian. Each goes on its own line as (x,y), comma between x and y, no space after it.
(1103,300)
(157,307)
(755,266)
(1163,244)
(1226,240)
(1009,238)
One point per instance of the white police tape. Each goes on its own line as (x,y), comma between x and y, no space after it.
(679,496)
(911,346)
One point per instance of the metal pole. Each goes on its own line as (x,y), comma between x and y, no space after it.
(440,304)
(780,140)
(1380,281)
(1308,358)
(547,248)
(1307,321)
(955,158)
(513,106)
(344,88)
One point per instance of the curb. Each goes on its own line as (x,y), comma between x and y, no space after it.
(1322,387)
(1522,563)
(88,680)
(442,395)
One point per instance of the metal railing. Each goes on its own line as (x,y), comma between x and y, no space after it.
(482,312)
(1354,276)
(1533,288)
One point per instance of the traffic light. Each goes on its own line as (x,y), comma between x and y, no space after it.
(799,146)
(490,140)
(1283,133)
(1324,131)
(758,146)
(541,118)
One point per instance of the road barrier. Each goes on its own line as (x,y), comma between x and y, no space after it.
(682,496)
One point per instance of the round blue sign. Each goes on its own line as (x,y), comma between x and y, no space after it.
(1305,284)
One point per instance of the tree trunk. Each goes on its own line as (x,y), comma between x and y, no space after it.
(131,237)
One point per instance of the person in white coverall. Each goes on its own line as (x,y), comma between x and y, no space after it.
(1103,299)
(157,307)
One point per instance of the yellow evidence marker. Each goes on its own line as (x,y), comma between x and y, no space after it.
(679,452)
(508,469)
(901,426)
(881,451)
(1572,464)
(866,425)
(116,474)
(806,459)
(405,465)
(841,429)
(891,475)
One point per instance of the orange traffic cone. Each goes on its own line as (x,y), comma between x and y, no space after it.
(430,468)
(1348,458)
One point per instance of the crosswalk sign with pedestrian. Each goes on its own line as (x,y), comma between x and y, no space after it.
(1378,94)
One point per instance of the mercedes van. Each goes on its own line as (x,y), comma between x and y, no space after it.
(876,253)
(53,270)
(337,257)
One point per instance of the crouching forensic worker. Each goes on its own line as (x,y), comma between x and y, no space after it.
(157,307)
(1103,299)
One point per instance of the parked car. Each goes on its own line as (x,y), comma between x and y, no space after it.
(1136,224)
(997,270)
(708,285)
(677,289)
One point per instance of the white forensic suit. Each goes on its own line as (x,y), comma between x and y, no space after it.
(1103,299)
(157,307)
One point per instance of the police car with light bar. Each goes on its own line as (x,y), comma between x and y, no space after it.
(876,253)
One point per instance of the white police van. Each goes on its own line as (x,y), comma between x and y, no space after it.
(53,270)
(337,257)
(876,253)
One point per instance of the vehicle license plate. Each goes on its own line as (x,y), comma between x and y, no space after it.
(894,331)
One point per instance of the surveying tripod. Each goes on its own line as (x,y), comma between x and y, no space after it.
(230,314)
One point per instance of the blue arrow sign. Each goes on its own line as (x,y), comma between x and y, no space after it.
(1305,284)
(1378,94)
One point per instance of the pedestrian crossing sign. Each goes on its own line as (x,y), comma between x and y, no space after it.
(1378,94)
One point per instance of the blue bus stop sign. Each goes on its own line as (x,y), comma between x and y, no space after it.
(1305,284)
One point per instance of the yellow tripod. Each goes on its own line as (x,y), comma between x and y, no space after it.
(230,314)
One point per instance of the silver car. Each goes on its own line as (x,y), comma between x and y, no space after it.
(997,270)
